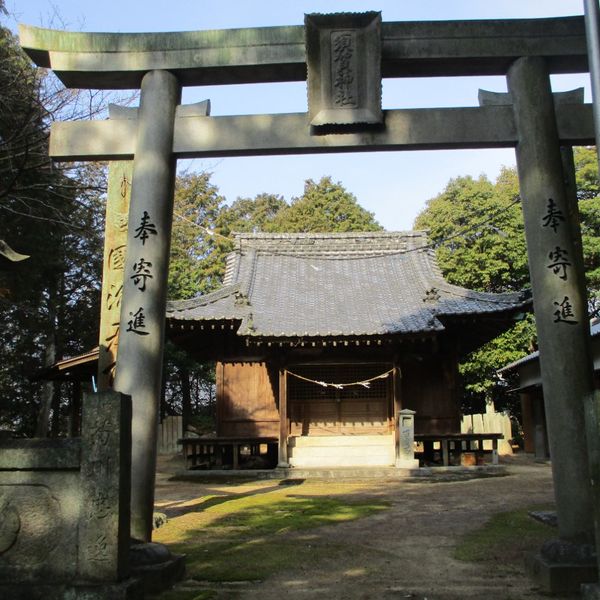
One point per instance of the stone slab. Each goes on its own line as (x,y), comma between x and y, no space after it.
(40,453)
(39,513)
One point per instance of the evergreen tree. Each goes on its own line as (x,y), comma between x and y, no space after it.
(477,229)
(51,307)
(324,207)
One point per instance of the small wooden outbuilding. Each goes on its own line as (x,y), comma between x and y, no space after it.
(526,373)
(321,339)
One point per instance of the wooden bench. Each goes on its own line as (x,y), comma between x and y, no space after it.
(220,452)
(453,442)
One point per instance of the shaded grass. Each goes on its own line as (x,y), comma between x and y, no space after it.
(189,595)
(506,537)
(245,537)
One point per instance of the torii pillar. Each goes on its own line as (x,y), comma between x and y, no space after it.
(560,306)
(141,330)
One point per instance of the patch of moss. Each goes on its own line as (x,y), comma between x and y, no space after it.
(506,536)
(241,537)
(177,594)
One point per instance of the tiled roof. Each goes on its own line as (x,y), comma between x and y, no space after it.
(289,285)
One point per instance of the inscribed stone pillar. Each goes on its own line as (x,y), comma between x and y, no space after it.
(405,457)
(105,487)
(115,243)
(139,365)
(559,296)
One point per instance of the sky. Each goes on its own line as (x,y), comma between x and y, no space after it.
(395,186)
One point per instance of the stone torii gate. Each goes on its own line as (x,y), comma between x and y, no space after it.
(343,57)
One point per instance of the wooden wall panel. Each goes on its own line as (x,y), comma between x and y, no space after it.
(429,387)
(246,405)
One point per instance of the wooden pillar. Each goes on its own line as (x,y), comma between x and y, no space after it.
(559,296)
(527,424)
(220,392)
(283,420)
(397,406)
(540,436)
(141,331)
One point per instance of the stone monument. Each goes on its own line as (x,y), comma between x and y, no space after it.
(64,510)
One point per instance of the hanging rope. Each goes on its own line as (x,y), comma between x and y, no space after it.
(366,383)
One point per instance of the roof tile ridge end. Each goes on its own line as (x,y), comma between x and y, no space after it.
(202,300)
(521,296)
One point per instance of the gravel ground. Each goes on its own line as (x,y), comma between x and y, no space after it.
(404,552)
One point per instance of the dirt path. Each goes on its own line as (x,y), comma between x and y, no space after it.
(406,551)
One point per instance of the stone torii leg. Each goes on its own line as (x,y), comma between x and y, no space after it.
(141,336)
(559,296)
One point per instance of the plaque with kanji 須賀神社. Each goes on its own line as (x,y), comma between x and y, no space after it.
(343,55)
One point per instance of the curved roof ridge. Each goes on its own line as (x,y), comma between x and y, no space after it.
(495,297)
(203,300)
(326,234)
(336,246)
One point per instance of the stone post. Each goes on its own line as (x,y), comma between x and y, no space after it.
(591,402)
(559,296)
(139,363)
(405,450)
(105,487)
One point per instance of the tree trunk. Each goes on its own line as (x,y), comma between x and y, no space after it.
(55,427)
(43,419)
(75,423)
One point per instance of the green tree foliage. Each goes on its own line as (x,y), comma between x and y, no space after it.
(586,175)
(197,263)
(477,228)
(49,308)
(197,257)
(251,215)
(324,207)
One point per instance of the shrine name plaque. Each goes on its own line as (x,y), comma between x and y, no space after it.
(343,55)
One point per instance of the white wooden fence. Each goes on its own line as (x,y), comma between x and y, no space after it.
(169,431)
(491,422)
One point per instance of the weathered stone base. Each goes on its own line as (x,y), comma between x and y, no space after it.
(407,464)
(590,591)
(155,566)
(561,577)
(130,589)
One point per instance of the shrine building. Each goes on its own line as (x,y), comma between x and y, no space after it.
(320,340)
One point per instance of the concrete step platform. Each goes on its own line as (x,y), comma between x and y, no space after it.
(347,473)
(373,451)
